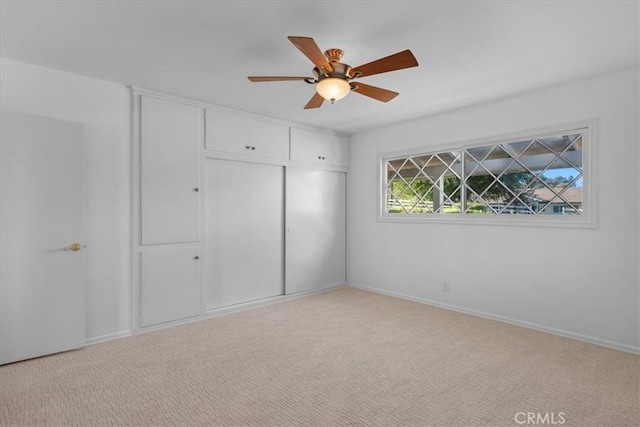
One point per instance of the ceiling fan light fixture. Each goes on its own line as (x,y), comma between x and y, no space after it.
(333,88)
(332,77)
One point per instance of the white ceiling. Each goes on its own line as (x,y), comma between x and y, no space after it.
(469,51)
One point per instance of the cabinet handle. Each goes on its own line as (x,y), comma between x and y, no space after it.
(248,147)
(253,148)
(196,257)
(196,189)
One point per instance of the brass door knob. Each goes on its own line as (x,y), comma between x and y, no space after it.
(75,247)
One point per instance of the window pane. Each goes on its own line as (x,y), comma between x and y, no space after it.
(524,177)
(424,184)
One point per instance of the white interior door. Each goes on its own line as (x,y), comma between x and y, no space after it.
(316,229)
(244,229)
(42,212)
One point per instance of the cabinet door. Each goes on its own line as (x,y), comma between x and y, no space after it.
(318,148)
(244,229)
(315,229)
(170,157)
(170,279)
(231,133)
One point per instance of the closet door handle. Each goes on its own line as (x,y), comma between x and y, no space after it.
(196,257)
(196,189)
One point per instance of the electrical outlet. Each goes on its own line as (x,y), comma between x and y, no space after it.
(446,286)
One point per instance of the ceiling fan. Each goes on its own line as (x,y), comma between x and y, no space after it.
(334,79)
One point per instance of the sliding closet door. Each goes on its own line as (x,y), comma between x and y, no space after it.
(244,232)
(316,229)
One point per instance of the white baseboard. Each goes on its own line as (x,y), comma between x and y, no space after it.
(109,337)
(554,331)
(221,311)
(266,301)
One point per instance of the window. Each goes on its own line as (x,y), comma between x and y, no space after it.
(541,177)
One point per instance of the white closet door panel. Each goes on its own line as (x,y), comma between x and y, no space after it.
(170,279)
(170,155)
(316,229)
(231,133)
(244,229)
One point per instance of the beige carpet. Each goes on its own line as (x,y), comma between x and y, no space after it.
(347,357)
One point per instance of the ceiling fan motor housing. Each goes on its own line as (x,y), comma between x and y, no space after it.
(340,70)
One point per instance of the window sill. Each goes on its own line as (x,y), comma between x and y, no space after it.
(492,220)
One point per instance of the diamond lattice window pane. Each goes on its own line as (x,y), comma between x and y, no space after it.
(531,176)
(422,196)
(515,149)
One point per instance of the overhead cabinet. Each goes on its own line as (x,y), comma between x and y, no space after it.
(170,138)
(318,148)
(235,134)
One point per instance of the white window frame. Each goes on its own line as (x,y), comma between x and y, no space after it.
(586,220)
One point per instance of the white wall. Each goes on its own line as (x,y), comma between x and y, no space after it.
(594,290)
(577,282)
(105,110)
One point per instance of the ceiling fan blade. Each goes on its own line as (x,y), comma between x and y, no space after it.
(275,78)
(378,93)
(311,50)
(315,101)
(397,61)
